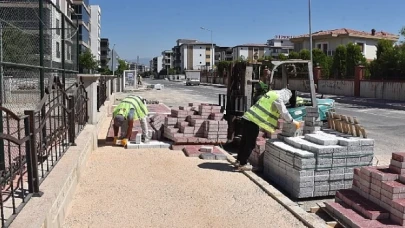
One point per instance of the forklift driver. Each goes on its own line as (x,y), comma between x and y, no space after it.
(264,114)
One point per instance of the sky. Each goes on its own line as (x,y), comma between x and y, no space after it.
(146,28)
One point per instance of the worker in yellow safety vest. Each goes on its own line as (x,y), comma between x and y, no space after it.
(264,114)
(130,109)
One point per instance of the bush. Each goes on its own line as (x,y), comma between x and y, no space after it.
(390,61)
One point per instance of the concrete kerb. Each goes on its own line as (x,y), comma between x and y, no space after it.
(308,219)
(60,185)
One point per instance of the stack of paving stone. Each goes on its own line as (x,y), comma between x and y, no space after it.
(377,198)
(312,120)
(317,164)
(156,122)
(196,124)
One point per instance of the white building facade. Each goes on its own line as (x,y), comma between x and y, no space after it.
(196,56)
(95,31)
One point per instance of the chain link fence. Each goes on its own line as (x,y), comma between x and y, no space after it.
(35,45)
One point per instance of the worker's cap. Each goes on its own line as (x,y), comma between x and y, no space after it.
(285,95)
(119,120)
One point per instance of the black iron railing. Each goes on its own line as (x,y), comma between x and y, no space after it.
(32,144)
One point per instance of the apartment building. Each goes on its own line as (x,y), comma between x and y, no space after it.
(329,40)
(223,54)
(167,62)
(177,52)
(196,55)
(250,52)
(82,16)
(157,64)
(104,52)
(95,31)
(113,58)
(280,45)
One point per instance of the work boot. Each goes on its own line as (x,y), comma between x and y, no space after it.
(246,167)
(236,164)
(145,140)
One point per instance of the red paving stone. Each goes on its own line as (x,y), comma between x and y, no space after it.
(194,150)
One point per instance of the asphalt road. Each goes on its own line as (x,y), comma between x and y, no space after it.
(386,126)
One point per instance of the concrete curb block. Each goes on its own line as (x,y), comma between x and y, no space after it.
(308,219)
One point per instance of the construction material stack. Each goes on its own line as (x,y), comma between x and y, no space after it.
(316,164)
(196,124)
(377,198)
(312,120)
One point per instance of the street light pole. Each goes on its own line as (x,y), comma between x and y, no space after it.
(112,63)
(212,48)
(310,30)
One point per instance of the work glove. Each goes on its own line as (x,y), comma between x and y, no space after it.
(124,142)
(297,124)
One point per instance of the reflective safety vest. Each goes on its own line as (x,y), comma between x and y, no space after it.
(263,114)
(131,102)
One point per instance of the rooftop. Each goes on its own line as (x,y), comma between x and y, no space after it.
(353,33)
(251,45)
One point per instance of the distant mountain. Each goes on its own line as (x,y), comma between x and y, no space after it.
(144,61)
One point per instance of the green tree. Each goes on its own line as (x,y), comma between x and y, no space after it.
(172,71)
(105,71)
(293,55)
(339,62)
(384,46)
(282,57)
(322,60)
(354,57)
(222,67)
(87,61)
(305,54)
(122,66)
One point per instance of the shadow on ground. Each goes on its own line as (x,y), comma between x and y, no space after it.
(226,167)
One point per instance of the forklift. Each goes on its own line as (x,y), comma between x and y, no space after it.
(239,97)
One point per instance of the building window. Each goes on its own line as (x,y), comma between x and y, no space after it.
(207,64)
(323,46)
(57,50)
(200,63)
(256,50)
(208,56)
(57,27)
(361,45)
(207,48)
(200,54)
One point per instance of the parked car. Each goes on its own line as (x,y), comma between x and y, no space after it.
(192,81)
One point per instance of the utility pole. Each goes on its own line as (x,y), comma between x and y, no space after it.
(112,59)
(310,31)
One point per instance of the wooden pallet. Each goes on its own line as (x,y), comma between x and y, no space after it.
(332,221)
(345,124)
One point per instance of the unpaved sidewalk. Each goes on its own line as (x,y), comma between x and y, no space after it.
(163,188)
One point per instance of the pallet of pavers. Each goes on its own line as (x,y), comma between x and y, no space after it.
(317,164)
(196,124)
(377,198)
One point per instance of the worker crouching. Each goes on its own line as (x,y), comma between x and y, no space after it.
(264,114)
(130,109)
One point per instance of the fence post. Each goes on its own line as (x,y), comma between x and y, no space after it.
(33,154)
(28,155)
(358,76)
(72,122)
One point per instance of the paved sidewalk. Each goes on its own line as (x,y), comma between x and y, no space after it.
(163,188)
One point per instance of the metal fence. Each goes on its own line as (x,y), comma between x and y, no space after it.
(43,106)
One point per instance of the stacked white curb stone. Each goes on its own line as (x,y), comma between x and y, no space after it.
(312,120)
(316,164)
